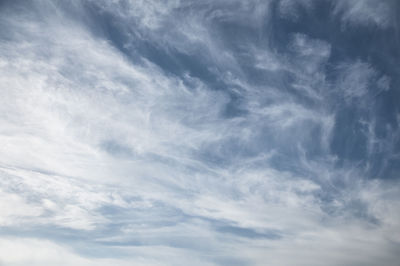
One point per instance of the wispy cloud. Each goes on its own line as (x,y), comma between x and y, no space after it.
(203,133)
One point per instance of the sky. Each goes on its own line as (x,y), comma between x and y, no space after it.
(199,132)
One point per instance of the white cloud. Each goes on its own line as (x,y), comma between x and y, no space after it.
(358,80)
(94,141)
(30,251)
(15,210)
(352,13)
(366,13)
(289,9)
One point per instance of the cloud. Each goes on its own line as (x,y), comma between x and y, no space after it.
(169,133)
(39,252)
(351,13)
(356,79)
(366,13)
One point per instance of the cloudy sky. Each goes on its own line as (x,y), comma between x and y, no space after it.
(199,132)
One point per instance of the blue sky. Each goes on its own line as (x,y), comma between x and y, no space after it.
(225,132)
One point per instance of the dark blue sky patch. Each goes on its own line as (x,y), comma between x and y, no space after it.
(248,233)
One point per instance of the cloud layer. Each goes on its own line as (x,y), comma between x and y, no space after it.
(199,132)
